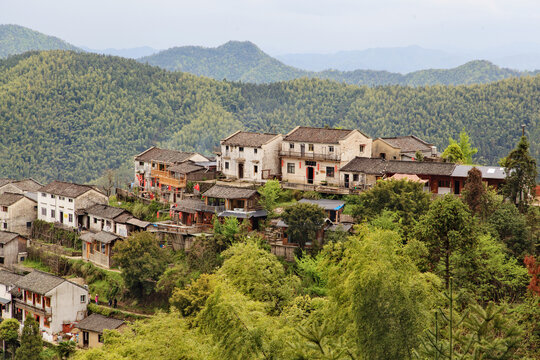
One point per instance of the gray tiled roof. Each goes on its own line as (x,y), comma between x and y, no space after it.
(102,236)
(317,135)
(8,277)
(229,192)
(164,155)
(4,181)
(7,199)
(419,167)
(66,189)
(243,214)
(408,143)
(326,204)
(365,166)
(39,282)
(185,168)
(105,211)
(28,185)
(248,139)
(488,172)
(98,323)
(7,236)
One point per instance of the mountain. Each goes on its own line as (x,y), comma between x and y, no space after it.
(399,59)
(130,53)
(234,60)
(15,39)
(71,115)
(244,61)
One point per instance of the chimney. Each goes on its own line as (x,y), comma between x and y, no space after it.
(433,151)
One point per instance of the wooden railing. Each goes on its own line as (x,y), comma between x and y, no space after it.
(166,178)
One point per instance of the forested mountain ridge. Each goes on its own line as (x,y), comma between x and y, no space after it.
(244,61)
(68,115)
(15,39)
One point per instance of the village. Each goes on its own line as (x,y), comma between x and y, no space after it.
(321,165)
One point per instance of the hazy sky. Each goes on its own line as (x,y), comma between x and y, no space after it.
(282,26)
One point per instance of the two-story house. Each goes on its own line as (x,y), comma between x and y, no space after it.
(56,303)
(7,282)
(404,148)
(152,170)
(17,213)
(64,203)
(250,156)
(313,156)
(12,247)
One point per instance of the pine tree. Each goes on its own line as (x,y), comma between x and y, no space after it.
(31,342)
(474,191)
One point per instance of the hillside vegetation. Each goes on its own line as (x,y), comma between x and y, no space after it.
(244,61)
(68,115)
(15,39)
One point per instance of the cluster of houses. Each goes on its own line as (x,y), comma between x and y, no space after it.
(199,188)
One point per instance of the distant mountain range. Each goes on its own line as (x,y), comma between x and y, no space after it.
(15,39)
(244,61)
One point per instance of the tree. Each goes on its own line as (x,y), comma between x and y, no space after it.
(521,175)
(534,271)
(461,152)
(510,227)
(31,342)
(66,348)
(270,193)
(304,220)
(191,300)
(419,156)
(454,154)
(142,262)
(9,333)
(447,227)
(474,191)
(229,231)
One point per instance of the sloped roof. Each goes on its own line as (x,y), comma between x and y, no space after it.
(98,323)
(243,214)
(409,177)
(105,237)
(7,236)
(39,282)
(190,205)
(66,189)
(123,218)
(365,165)
(164,155)
(4,181)
(8,277)
(28,185)
(248,139)
(7,199)
(488,172)
(139,223)
(229,192)
(105,211)
(419,167)
(326,204)
(407,143)
(317,135)
(185,168)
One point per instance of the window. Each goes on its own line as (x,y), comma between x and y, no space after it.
(141,163)
(100,338)
(28,224)
(95,221)
(47,301)
(444,183)
(52,213)
(38,298)
(83,299)
(311,163)
(61,198)
(383,156)
(52,196)
(226,165)
(43,195)
(70,200)
(291,145)
(310,147)
(362,147)
(331,148)
(70,219)
(329,171)
(1,259)
(241,148)
(290,168)
(255,150)
(227,148)
(5,227)
(4,208)
(103,248)
(46,322)
(255,169)
(355,177)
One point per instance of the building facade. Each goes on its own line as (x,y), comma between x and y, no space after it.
(17,213)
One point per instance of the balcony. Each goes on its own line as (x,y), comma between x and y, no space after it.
(166,178)
(309,155)
(21,304)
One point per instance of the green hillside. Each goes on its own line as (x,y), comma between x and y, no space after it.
(15,39)
(244,61)
(69,115)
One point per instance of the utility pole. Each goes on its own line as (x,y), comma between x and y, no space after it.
(523,130)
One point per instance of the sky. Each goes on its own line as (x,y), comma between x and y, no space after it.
(284,26)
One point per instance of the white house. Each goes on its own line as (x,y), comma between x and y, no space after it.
(250,156)
(64,202)
(7,281)
(313,156)
(54,302)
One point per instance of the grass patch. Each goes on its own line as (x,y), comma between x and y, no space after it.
(36,264)
(115,313)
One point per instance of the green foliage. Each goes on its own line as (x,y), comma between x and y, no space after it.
(304,220)
(270,193)
(312,272)
(258,274)
(191,300)
(521,171)
(463,152)
(177,276)
(31,342)
(66,348)
(511,227)
(9,333)
(454,154)
(142,262)
(230,231)
(474,191)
